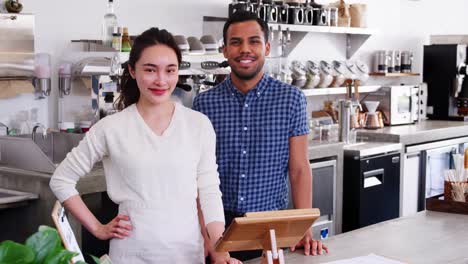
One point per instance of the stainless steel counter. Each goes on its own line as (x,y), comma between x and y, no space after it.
(426,237)
(425,131)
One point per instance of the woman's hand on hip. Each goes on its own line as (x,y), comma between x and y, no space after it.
(119,227)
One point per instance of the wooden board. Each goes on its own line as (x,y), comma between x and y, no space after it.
(434,204)
(252,231)
(65,231)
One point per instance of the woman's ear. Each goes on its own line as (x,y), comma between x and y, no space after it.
(131,71)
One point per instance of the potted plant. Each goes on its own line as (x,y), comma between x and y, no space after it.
(43,246)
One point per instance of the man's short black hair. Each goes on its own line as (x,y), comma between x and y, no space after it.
(242,16)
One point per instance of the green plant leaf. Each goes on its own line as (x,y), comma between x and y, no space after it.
(80,262)
(12,253)
(97,260)
(62,256)
(44,242)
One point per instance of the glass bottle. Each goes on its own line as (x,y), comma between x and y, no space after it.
(126,46)
(108,24)
(117,39)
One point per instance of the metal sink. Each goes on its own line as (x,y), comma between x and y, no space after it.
(42,154)
(11,198)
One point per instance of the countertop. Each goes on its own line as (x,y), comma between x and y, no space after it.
(319,150)
(426,237)
(424,131)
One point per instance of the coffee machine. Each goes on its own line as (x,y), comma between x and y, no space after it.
(445,71)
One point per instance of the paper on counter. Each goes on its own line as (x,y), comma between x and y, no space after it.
(369,259)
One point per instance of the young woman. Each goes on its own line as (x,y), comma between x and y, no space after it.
(158,157)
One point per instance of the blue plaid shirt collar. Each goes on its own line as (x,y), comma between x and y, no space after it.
(261,86)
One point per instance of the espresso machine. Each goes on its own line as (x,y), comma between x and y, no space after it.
(445,71)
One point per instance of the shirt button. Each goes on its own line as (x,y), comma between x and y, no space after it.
(242,198)
(246,105)
(243,175)
(232,94)
(258,93)
(245,128)
(244,152)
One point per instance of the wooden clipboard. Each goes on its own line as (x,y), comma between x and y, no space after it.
(65,231)
(252,231)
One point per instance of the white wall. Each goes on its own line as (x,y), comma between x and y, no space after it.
(402,24)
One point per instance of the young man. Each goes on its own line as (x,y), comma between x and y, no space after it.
(261,129)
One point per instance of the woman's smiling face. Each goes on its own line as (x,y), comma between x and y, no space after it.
(156,73)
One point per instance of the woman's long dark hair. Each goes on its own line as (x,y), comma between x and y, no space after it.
(129,92)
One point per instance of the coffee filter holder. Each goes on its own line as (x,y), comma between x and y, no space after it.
(371,106)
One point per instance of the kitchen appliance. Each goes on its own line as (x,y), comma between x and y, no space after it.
(371,184)
(395,103)
(372,119)
(444,71)
(424,171)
